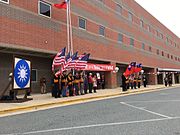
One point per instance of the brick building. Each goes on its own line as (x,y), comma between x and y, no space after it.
(115,32)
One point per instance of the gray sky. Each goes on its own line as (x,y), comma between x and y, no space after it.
(166,11)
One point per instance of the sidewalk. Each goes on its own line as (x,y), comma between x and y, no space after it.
(42,101)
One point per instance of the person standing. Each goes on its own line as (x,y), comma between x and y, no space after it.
(139,81)
(94,83)
(103,81)
(85,84)
(70,84)
(81,83)
(90,82)
(76,83)
(166,81)
(170,80)
(43,85)
(123,83)
(135,82)
(56,86)
(64,84)
(144,81)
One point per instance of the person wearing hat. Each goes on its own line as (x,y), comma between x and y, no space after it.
(90,82)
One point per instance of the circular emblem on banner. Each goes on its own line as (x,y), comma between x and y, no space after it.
(22,73)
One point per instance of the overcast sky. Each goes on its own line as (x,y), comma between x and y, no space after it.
(166,11)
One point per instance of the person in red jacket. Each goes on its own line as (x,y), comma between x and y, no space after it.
(90,82)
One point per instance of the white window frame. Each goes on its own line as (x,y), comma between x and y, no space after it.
(36,76)
(45,4)
(101,26)
(130,16)
(4,1)
(122,37)
(132,40)
(79,22)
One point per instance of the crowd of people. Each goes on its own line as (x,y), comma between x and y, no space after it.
(168,80)
(74,84)
(133,81)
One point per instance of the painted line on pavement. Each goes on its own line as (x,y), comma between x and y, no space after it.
(153,101)
(139,108)
(95,125)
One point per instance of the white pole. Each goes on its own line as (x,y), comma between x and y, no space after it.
(69,7)
(68,39)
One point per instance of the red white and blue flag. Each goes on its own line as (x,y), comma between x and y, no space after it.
(62,5)
(59,59)
(138,68)
(72,61)
(81,63)
(130,69)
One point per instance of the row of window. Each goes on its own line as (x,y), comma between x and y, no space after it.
(82,25)
(157,33)
(45,10)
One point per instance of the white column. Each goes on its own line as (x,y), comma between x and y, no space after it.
(173,79)
(163,76)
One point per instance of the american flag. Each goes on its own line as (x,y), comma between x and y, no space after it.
(59,59)
(71,62)
(82,61)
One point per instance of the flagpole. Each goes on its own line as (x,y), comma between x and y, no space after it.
(71,39)
(68,33)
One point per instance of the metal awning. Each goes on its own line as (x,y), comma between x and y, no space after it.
(168,70)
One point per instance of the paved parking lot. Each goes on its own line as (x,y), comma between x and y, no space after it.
(155,113)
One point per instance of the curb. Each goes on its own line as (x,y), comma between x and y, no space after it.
(40,106)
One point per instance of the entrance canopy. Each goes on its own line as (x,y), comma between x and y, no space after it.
(99,67)
(168,70)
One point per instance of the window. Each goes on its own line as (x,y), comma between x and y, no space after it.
(82,23)
(171,56)
(5,1)
(162,53)
(44,9)
(157,33)
(157,52)
(168,55)
(143,46)
(130,16)
(101,30)
(141,23)
(175,44)
(167,39)
(161,35)
(132,41)
(176,58)
(120,37)
(150,48)
(119,8)
(34,75)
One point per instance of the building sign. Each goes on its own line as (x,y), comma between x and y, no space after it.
(99,67)
(22,70)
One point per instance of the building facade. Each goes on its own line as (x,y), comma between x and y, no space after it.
(115,32)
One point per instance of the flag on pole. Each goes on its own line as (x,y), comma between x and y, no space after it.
(72,61)
(59,59)
(62,5)
(138,68)
(130,69)
(82,61)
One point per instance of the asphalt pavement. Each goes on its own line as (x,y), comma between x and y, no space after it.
(154,113)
